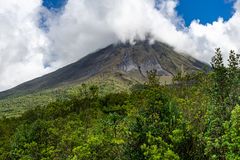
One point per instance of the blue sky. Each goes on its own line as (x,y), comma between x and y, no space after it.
(206,11)
(54,4)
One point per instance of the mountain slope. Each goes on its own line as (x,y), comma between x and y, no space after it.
(122,59)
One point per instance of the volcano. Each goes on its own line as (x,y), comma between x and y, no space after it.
(123,60)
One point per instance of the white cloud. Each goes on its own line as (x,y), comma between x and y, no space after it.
(87,25)
(223,34)
(21,42)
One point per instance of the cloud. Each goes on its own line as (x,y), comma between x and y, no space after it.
(223,34)
(87,25)
(84,26)
(21,42)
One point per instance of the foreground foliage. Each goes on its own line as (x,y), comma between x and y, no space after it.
(198,117)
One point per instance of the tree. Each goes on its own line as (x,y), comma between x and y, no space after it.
(217,111)
(233,78)
(152,78)
(157,149)
(232,135)
(224,95)
(220,89)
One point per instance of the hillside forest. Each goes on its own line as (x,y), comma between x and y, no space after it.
(197,117)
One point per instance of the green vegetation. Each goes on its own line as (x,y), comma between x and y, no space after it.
(198,117)
(17,105)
